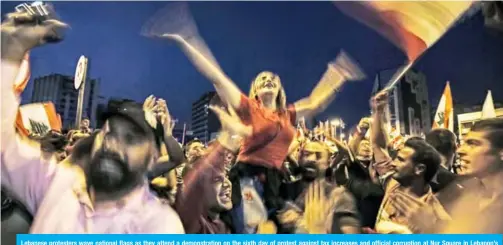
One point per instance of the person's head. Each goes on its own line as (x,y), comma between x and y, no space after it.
(482,149)
(194,149)
(267,86)
(365,152)
(84,124)
(445,142)
(219,193)
(314,159)
(416,161)
(121,152)
(54,143)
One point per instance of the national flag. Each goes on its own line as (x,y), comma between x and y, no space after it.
(488,108)
(38,118)
(444,118)
(23,76)
(413,26)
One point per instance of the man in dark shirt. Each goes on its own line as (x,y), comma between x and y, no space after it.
(342,215)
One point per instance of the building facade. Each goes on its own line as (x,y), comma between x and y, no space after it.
(469,115)
(59,89)
(409,109)
(204,123)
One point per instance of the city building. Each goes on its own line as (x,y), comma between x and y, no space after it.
(409,109)
(468,115)
(60,90)
(204,123)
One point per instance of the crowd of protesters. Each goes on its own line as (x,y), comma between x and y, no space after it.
(261,175)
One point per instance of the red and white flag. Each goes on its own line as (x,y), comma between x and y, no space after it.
(23,76)
(413,26)
(38,118)
(444,118)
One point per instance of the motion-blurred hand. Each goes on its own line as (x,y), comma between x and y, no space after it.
(22,32)
(317,209)
(231,122)
(164,117)
(379,101)
(149,108)
(348,68)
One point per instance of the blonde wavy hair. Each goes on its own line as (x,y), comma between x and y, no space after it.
(281,97)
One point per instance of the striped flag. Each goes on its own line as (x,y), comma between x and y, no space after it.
(23,76)
(444,118)
(38,118)
(413,26)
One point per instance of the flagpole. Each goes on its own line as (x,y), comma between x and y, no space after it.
(183,135)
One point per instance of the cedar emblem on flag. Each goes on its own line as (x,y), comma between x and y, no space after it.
(444,118)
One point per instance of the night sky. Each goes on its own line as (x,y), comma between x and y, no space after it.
(293,39)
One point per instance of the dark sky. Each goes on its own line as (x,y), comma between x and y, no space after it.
(293,39)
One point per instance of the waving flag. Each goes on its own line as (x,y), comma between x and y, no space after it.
(413,26)
(38,118)
(488,107)
(23,76)
(444,118)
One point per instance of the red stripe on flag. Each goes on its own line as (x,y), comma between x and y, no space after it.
(387,24)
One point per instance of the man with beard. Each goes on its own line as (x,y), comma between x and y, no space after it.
(108,194)
(360,180)
(476,201)
(341,215)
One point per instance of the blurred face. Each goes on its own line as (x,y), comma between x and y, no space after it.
(364,151)
(195,151)
(219,195)
(315,154)
(403,166)
(267,84)
(477,156)
(121,154)
(85,123)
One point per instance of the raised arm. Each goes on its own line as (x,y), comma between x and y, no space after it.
(225,87)
(24,173)
(337,73)
(189,205)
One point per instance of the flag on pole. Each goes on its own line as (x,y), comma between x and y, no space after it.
(488,108)
(444,118)
(38,118)
(413,26)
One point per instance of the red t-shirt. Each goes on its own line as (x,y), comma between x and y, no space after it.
(272,134)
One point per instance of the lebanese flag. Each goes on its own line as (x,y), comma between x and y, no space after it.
(412,26)
(38,118)
(23,76)
(444,118)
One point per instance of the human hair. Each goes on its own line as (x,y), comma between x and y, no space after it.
(188,144)
(443,140)
(493,128)
(280,100)
(424,154)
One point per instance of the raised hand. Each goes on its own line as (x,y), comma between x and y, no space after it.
(379,101)
(164,117)
(421,216)
(231,122)
(22,32)
(149,108)
(348,68)
(317,209)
